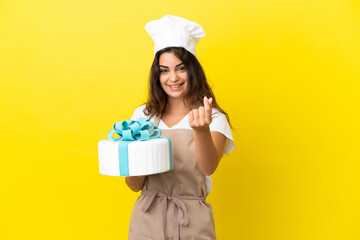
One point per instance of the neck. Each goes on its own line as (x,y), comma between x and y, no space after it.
(176,106)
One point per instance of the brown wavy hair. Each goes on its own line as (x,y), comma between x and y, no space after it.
(197,90)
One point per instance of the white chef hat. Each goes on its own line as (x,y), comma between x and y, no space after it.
(173,31)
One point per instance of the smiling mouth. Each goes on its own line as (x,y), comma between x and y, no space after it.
(175,87)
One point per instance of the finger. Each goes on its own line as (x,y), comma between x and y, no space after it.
(191,117)
(201,115)
(210,101)
(208,116)
(208,110)
(196,116)
(205,100)
(207,104)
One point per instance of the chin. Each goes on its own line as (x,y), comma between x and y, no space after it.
(176,95)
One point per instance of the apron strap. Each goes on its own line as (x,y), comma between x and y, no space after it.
(157,120)
(180,216)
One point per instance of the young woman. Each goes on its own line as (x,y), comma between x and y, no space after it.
(172,205)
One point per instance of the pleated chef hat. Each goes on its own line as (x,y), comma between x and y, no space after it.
(173,31)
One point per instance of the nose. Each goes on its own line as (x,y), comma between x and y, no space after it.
(173,76)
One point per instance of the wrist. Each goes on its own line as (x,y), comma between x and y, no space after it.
(201,130)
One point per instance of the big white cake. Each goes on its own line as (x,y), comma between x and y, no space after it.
(143,157)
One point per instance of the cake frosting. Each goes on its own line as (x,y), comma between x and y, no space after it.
(144,157)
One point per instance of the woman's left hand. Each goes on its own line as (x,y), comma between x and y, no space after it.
(200,119)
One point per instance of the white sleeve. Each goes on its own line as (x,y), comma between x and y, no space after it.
(220,124)
(138,113)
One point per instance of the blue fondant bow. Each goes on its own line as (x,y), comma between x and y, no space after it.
(131,130)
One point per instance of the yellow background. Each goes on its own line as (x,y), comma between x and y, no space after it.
(286,71)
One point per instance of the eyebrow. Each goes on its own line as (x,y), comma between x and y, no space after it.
(168,67)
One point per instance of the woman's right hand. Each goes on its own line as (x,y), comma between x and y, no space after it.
(135,183)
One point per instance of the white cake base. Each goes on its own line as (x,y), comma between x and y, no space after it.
(144,157)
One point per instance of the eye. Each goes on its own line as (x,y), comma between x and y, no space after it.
(163,70)
(182,69)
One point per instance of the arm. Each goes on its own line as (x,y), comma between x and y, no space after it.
(208,149)
(208,145)
(135,183)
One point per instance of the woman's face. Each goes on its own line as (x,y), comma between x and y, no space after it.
(173,75)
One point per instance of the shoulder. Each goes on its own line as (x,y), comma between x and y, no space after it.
(219,119)
(139,112)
